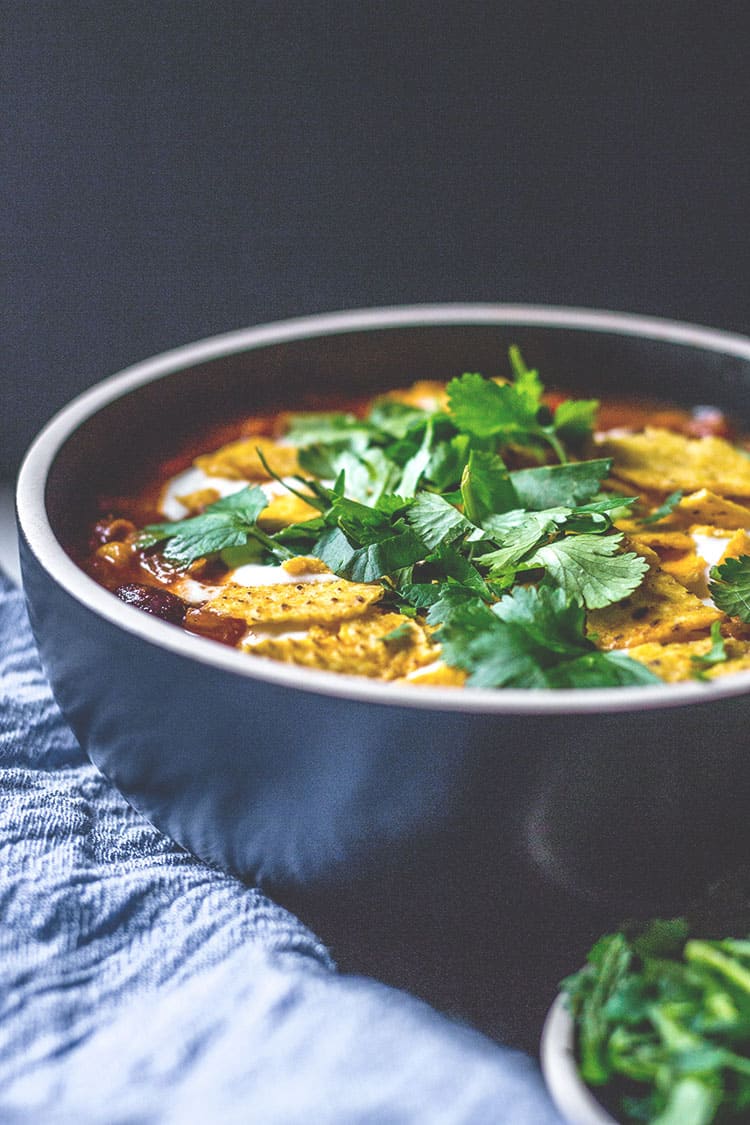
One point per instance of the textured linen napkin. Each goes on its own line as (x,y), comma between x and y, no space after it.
(137,984)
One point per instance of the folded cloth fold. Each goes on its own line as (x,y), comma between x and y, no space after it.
(138,984)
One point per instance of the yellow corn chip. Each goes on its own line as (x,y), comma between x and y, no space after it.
(664,542)
(662,461)
(239,460)
(196,501)
(436,674)
(305,564)
(705,507)
(427,394)
(690,571)
(360,647)
(661,609)
(677,556)
(295,603)
(284,510)
(738,545)
(674,662)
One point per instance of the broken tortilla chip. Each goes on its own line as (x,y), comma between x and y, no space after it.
(305,564)
(706,507)
(661,610)
(360,647)
(738,545)
(300,603)
(437,674)
(662,461)
(196,501)
(240,460)
(284,510)
(675,662)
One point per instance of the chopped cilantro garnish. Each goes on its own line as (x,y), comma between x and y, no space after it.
(229,522)
(717,653)
(589,569)
(664,509)
(730,587)
(551,485)
(532,638)
(423,501)
(663,1025)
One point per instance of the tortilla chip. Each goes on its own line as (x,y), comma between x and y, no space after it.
(196,501)
(427,394)
(662,461)
(300,603)
(437,674)
(690,571)
(284,510)
(359,647)
(305,564)
(674,662)
(738,545)
(663,542)
(661,610)
(705,507)
(239,460)
(677,556)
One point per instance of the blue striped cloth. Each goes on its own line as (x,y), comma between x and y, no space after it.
(139,985)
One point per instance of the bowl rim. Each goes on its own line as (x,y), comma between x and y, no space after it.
(37,532)
(572,1097)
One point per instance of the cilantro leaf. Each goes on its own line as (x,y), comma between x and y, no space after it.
(486,409)
(602,669)
(394,551)
(447,462)
(226,523)
(537,640)
(328,429)
(527,383)
(552,619)
(495,654)
(552,485)
(730,587)
(395,418)
(367,474)
(486,487)
(517,533)
(574,419)
(420,595)
(590,569)
(664,509)
(454,564)
(717,653)
(417,465)
(436,521)
(400,637)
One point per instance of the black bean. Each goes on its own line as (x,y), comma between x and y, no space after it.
(159,603)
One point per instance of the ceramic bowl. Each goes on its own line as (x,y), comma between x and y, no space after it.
(304,778)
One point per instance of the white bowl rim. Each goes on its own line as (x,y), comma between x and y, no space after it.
(572,1097)
(36,528)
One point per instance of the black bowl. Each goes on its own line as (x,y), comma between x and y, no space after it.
(315,784)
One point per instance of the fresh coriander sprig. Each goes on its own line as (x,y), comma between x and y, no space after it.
(730,587)
(514,412)
(423,501)
(532,638)
(663,1025)
(227,523)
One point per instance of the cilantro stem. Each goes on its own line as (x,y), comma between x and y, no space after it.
(556,444)
(277,549)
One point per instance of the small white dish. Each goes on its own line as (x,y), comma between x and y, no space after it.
(572,1097)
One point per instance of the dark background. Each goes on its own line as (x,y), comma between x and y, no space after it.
(176,169)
